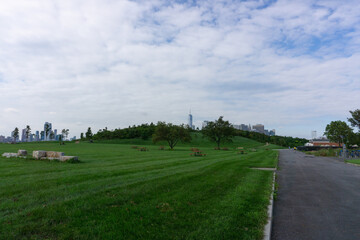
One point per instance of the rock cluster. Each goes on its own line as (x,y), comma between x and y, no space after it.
(51,155)
(43,155)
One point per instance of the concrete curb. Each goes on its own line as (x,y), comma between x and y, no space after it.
(267,229)
(358,165)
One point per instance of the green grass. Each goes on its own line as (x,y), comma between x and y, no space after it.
(117,192)
(354,161)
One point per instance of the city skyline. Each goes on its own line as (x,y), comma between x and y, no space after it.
(40,136)
(36,135)
(291,65)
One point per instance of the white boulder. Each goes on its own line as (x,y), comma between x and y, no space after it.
(39,154)
(22,153)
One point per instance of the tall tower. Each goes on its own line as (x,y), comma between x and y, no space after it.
(190,121)
(313,134)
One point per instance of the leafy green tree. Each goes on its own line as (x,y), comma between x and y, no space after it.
(338,131)
(16,134)
(27,132)
(219,131)
(353,139)
(88,133)
(81,136)
(355,119)
(170,133)
(64,133)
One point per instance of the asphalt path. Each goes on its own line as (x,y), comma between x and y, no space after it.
(317,198)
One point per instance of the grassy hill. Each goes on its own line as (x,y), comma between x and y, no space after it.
(197,141)
(117,192)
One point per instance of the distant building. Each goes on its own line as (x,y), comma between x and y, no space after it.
(313,134)
(37,136)
(23,135)
(272,132)
(190,122)
(323,142)
(258,128)
(245,127)
(2,139)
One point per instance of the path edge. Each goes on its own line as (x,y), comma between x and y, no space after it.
(267,229)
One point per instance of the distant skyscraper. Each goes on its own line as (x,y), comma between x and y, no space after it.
(244,127)
(23,135)
(190,121)
(259,128)
(313,135)
(272,132)
(37,136)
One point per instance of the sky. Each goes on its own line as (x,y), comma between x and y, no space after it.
(292,65)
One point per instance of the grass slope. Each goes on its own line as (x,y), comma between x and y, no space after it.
(120,193)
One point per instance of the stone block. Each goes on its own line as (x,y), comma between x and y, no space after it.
(51,154)
(9,155)
(69,158)
(22,152)
(39,154)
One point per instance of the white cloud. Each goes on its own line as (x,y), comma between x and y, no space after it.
(119,63)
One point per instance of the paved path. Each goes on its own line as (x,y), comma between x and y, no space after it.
(318,198)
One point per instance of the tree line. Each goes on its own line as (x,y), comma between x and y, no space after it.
(219,131)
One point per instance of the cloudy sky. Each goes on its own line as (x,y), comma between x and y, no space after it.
(291,65)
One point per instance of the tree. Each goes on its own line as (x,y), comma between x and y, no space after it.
(355,119)
(52,135)
(64,133)
(219,131)
(172,134)
(339,132)
(16,134)
(88,133)
(27,132)
(82,136)
(47,130)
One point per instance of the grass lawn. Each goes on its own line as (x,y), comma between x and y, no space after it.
(354,161)
(117,192)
